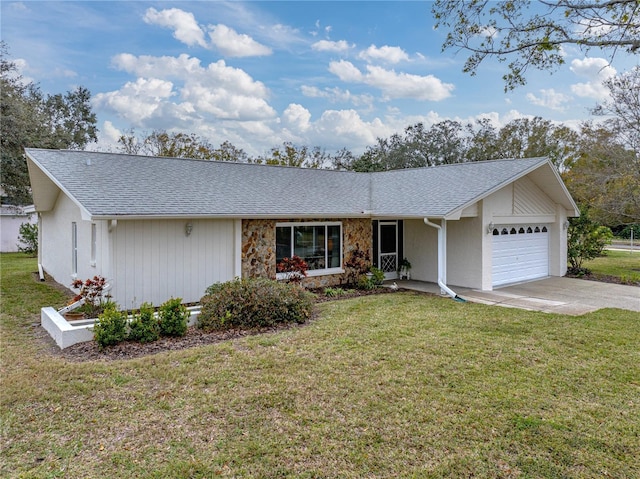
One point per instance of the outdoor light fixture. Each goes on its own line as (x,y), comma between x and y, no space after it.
(565,225)
(188,228)
(490,228)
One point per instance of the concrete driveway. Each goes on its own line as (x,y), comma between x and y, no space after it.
(559,295)
(551,295)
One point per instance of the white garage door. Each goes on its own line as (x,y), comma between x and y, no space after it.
(520,253)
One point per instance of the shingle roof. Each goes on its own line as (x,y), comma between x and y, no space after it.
(109,184)
(439,191)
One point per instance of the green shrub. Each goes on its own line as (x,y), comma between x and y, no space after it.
(366,282)
(144,326)
(254,302)
(110,328)
(173,318)
(333,292)
(29,238)
(378,276)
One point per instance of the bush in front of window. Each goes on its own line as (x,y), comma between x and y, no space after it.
(294,269)
(253,302)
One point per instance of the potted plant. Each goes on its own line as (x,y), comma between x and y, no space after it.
(405,268)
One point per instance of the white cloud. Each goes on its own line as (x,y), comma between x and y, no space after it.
(596,70)
(297,117)
(184,25)
(233,44)
(392,84)
(137,101)
(385,53)
(336,94)
(329,46)
(549,99)
(215,92)
(346,71)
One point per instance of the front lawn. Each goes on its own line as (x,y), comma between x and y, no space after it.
(396,385)
(622,266)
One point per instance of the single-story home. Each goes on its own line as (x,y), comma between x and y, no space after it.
(166,227)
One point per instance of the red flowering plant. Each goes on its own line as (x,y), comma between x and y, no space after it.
(294,269)
(93,292)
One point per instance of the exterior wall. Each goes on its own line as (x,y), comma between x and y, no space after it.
(55,253)
(464,252)
(154,260)
(259,247)
(421,249)
(10,222)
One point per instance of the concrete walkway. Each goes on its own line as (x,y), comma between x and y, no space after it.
(551,295)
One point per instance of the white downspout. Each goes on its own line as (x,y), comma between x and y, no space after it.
(442,260)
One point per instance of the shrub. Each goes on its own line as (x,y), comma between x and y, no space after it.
(110,327)
(294,269)
(586,240)
(92,290)
(357,264)
(29,238)
(366,282)
(377,276)
(173,318)
(253,302)
(334,292)
(144,326)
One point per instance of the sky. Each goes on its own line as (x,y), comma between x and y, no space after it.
(257,74)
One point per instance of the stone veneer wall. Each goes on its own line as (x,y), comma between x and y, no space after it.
(259,247)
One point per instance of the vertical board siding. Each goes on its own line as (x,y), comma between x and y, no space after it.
(154,260)
(528,199)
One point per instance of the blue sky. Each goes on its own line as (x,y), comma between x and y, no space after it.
(329,74)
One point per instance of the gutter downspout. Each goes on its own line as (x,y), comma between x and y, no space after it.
(441,261)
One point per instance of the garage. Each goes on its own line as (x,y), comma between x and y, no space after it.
(520,253)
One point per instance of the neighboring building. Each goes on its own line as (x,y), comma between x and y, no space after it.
(165,227)
(11,217)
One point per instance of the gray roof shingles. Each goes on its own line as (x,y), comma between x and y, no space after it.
(109,184)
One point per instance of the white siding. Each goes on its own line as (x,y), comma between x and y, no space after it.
(154,260)
(56,246)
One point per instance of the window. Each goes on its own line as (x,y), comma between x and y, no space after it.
(74,248)
(318,244)
(93,244)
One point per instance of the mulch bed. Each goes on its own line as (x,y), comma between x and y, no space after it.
(90,351)
(603,278)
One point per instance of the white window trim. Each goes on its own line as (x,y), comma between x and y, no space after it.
(315,272)
(94,238)
(74,249)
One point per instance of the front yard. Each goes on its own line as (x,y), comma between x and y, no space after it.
(396,385)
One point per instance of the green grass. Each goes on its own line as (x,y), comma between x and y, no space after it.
(620,264)
(397,385)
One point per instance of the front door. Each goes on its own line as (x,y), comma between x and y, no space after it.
(388,248)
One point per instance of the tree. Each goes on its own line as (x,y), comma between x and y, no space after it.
(32,119)
(291,155)
(606,177)
(532,34)
(530,138)
(162,143)
(586,240)
(624,107)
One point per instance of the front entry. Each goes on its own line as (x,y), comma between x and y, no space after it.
(387,246)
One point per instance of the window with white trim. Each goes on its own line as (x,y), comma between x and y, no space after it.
(94,235)
(74,247)
(318,244)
